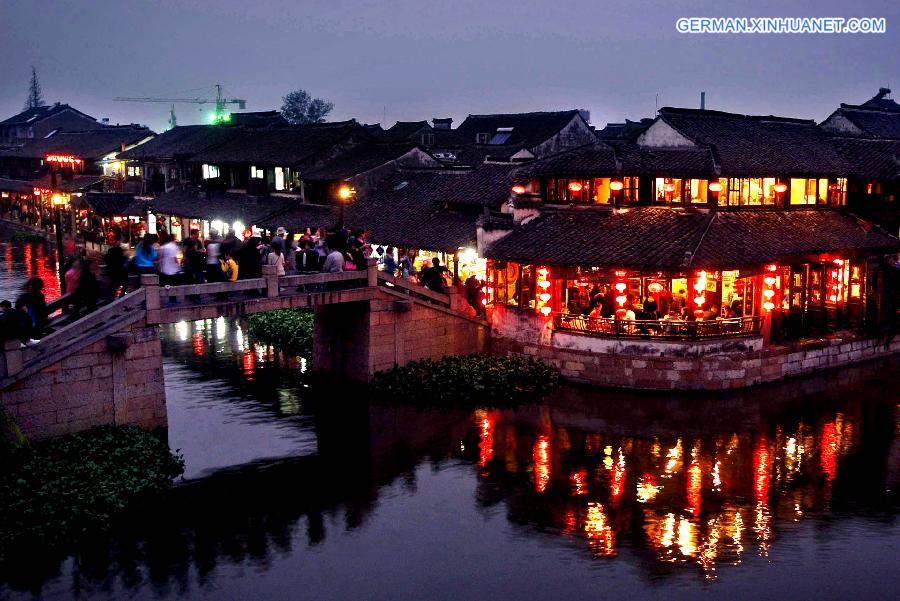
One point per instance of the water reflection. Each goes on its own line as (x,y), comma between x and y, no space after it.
(634,495)
(700,499)
(24,260)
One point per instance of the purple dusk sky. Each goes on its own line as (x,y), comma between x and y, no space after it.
(380,61)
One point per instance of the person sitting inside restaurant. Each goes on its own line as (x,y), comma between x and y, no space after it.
(710,314)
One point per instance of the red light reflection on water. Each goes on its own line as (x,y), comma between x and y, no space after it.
(694,487)
(486,440)
(579,482)
(541,456)
(829,450)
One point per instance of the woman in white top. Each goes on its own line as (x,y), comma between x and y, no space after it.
(276,258)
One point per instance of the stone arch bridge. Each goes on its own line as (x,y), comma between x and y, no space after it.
(106,368)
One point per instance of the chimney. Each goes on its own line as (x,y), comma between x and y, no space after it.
(442,122)
(882,93)
(105,121)
(586,115)
(702,101)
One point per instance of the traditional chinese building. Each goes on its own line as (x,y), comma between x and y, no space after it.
(704,234)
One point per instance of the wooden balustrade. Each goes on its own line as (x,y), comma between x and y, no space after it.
(657,328)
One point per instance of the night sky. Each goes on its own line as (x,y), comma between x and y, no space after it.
(384,60)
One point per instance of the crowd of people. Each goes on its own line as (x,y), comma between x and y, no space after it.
(195,260)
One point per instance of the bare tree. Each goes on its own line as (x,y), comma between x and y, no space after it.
(299,107)
(35,98)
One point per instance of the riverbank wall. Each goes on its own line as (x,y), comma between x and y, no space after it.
(625,367)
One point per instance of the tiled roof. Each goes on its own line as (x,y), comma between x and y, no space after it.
(357,160)
(871,159)
(420,226)
(301,216)
(16,185)
(37,113)
(593,160)
(670,239)
(257,118)
(742,238)
(78,183)
(875,123)
(223,206)
(486,186)
(280,145)
(679,162)
(435,210)
(622,157)
(624,131)
(758,145)
(647,237)
(183,141)
(403,130)
(89,145)
(528,129)
(110,204)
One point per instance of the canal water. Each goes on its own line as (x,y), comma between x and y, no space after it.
(302,488)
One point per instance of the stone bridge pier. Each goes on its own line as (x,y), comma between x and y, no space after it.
(358,339)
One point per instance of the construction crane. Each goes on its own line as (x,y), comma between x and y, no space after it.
(219,114)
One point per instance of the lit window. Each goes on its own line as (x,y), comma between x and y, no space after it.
(210,171)
(257,173)
(279,178)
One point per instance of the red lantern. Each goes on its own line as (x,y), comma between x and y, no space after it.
(616,185)
(620,313)
(715,186)
(247,233)
(575,187)
(518,189)
(780,188)
(698,313)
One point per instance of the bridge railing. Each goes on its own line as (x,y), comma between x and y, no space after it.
(134,301)
(414,290)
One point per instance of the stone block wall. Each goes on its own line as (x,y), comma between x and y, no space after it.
(358,339)
(116,380)
(714,371)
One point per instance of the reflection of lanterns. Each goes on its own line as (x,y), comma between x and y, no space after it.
(780,188)
(616,185)
(620,286)
(575,187)
(518,189)
(715,186)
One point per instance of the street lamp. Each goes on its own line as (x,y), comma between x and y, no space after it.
(345,193)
